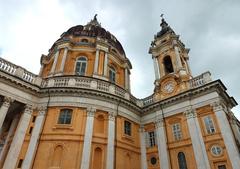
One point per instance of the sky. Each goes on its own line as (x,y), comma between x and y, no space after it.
(211,29)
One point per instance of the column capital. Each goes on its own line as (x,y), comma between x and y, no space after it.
(159,122)
(28,109)
(7,101)
(190,113)
(112,116)
(91,111)
(141,129)
(218,105)
(42,110)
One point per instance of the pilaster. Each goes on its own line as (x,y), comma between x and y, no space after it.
(162,143)
(220,111)
(15,148)
(32,147)
(4,109)
(111,138)
(88,138)
(63,60)
(143,148)
(105,73)
(96,62)
(54,62)
(197,140)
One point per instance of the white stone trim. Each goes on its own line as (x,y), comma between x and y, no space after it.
(162,144)
(54,62)
(143,148)
(9,136)
(63,59)
(111,138)
(105,73)
(198,145)
(32,147)
(96,62)
(156,68)
(18,139)
(4,109)
(227,135)
(126,78)
(87,144)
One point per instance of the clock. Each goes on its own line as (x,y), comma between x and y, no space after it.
(168,87)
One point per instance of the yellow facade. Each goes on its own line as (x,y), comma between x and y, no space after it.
(79,113)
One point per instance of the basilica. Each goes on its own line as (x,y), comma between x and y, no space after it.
(79,112)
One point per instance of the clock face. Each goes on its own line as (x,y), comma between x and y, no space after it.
(169,87)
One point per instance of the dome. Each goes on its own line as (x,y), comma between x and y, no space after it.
(92,29)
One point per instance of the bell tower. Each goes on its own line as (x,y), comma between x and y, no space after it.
(170,59)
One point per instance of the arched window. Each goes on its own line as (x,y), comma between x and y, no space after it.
(81,66)
(112,74)
(182,161)
(168,64)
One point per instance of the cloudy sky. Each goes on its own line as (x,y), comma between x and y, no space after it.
(211,29)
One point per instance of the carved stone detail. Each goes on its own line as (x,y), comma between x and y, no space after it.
(141,129)
(218,106)
(91,111)
(112,115)
(28,109)
(7,101)
(159,122)
(42,110)
(191,113)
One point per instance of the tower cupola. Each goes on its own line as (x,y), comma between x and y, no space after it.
(170,59)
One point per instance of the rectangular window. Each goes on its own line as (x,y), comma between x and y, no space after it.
(177,131)
(127,128)
(65,116)
(151,137)
(209,125)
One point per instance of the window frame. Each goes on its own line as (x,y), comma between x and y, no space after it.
(209,124)
(81,62)
(182,164)
(112,71)
(127,128)
(177,132)
(67,120)
(151,138)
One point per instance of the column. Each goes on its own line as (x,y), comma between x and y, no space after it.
(111,138)
(18,139)
(4,109)
(54,62)
(199,149)
(227,135)
(9,136)
(88,138)
(156,68)
(126,78)
(96,62)
(178,59)
(63,60)
(162,144)
(143,148)
(32,147)
(105,73)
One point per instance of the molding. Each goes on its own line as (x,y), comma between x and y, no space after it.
(91,111)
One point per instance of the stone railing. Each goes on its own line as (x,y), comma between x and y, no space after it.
(200,80)
(87,83)
(18,71)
